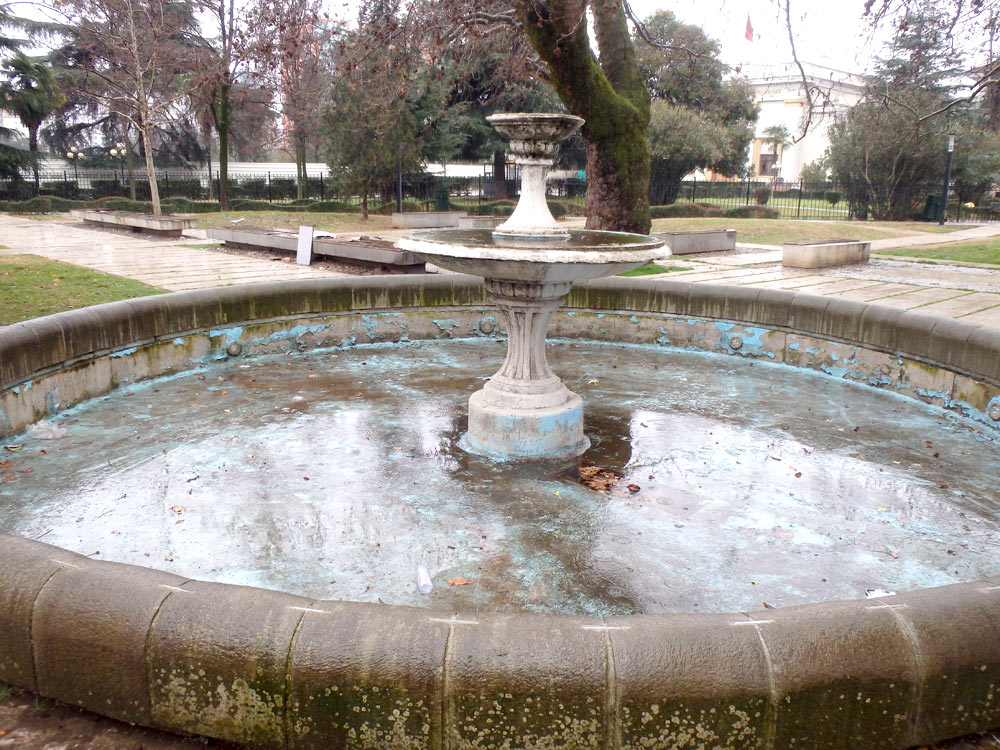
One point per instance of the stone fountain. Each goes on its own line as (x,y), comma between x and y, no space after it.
(529,264)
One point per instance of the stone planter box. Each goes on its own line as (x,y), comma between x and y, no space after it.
(162,226)
(481,222)
(427,219)
(364,251)
(825,254)
(700,241)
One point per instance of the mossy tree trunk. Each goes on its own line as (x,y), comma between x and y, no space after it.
(609,93)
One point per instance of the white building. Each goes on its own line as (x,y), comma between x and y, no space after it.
(780,94)
(11,123)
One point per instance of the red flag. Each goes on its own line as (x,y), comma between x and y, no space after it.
(749,33)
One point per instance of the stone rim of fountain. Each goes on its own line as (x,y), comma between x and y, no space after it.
(276,669)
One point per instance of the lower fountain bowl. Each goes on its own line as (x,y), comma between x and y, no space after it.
(277,670)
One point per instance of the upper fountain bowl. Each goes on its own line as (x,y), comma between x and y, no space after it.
(535,136)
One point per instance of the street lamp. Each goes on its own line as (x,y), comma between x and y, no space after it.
(119,150)
(947,178)
(74,156)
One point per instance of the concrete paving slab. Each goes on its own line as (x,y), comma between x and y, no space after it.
(968,304)
(749,259)
(989,317)
(720,276)
(791,281)
(919,297)
(839,286)
(877,292)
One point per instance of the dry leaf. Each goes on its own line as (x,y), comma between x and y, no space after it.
(178,509)
(458,581)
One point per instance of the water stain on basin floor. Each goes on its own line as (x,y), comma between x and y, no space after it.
(334,474)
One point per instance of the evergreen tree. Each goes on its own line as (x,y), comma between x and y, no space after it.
(698,120)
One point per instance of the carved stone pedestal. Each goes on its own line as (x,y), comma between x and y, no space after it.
(524,410)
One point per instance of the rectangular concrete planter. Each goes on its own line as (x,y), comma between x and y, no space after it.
(163,226)
(699,241)
(367,252)
(427,219)
(481,222)
(825,254)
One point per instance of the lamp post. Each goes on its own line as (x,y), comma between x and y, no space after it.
(74,156)
(947,179)
(119,150)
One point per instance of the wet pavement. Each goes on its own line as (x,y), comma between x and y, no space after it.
(739,483)
(166,264)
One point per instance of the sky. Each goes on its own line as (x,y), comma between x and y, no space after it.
(833,34)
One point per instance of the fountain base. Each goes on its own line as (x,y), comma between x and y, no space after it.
(552,432)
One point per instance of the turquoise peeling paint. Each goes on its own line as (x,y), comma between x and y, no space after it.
(370,324)
(124,352)
(231,334)
(51,405)
(664,338)
(24,387)
(179,341)
(297,331)
(753,340)
(446,325)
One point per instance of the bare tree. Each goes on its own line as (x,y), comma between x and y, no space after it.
(137,62)
(231,73)
(294,40)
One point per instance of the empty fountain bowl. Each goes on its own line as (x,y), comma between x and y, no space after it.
(278,670)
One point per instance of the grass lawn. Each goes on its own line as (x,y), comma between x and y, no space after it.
(777,231)
(31,286)
(328,222)
(651,268)
(980,251)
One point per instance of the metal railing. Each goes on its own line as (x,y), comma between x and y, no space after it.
(834,201)
(792,200)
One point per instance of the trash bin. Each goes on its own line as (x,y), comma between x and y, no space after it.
(932,208)
(441,195)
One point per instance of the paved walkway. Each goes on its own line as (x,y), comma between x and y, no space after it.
(972,233)
(166,264)
(963,292)
(971,294)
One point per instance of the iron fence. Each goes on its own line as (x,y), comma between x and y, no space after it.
(792,200)
(93,184)
(839,200)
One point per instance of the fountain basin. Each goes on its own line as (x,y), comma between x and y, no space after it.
(266,667)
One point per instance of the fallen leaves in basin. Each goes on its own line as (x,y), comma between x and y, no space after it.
(178,509)
(459,581)
(598,478)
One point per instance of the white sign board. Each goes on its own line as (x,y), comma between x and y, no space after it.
(304,253)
